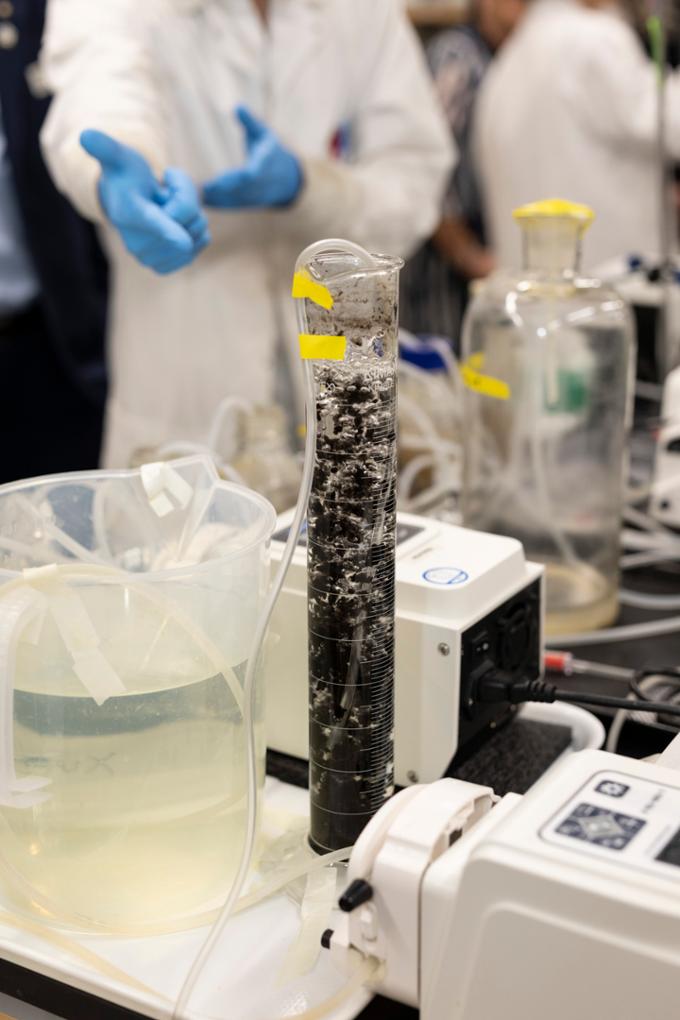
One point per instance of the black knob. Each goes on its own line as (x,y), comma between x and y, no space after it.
(326,938)
(360,891)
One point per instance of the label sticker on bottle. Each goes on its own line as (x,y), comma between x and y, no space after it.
(322,348)
(474,379)
(305,287)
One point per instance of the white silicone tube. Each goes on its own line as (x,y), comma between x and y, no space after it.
(654,628)
(648,600)
(215,935)
(208,947)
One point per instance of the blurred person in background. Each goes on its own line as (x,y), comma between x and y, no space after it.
(436,281)
(53,283)
(337,133)
(569,110)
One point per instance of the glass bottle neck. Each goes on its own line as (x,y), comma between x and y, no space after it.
(552,246)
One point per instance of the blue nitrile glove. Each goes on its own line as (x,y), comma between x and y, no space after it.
(161,225)
(271,176)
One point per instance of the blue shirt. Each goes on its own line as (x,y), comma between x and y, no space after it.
(18,281)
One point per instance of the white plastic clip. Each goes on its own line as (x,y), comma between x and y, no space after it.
(160,482)
(78,633)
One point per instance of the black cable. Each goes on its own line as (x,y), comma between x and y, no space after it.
(629,704)
(495,686)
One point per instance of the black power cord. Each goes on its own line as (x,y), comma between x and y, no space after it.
(495,686)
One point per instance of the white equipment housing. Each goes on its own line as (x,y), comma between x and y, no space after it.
(561,904)
(457,590)
(665,497)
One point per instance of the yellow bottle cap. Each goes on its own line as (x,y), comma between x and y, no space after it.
(556,208)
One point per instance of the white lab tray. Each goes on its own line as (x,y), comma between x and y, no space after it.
(239,983)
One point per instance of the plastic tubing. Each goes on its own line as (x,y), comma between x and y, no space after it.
(368,967)
(647,600)
(57,535)
(100,494)
(649,391)
(652,556)
(640,540)
(645,521)
(91,565)
(368,970)
(69,944)
(249,690)
(427,431)
(619,720)
(229,406)
(655,628)
(452,367)
(411,472)
(183,448)
(416,441)
(428,497)
(227,910)
(427,428)
(66,944)
(296,871)
(87,572)
(614,735)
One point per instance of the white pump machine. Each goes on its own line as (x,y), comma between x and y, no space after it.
(564,903)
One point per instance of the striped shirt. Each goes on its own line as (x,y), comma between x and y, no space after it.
(433,294)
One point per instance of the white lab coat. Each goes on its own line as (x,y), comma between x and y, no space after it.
(569,110)
(164,76)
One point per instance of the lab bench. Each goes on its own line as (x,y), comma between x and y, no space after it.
(525,744)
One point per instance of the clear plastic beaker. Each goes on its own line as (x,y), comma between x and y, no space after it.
(548,368)
(349,323)
(128,603)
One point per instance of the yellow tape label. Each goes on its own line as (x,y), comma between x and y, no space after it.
(475,380)
(322,348)
(305,287)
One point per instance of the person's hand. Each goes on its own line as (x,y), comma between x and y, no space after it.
(481,263)
(459,246)
(162,226)
(271,176)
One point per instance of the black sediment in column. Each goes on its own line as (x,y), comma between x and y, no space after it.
(351,567)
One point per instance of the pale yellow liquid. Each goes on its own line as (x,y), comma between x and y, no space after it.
(579,598)
(146,810)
